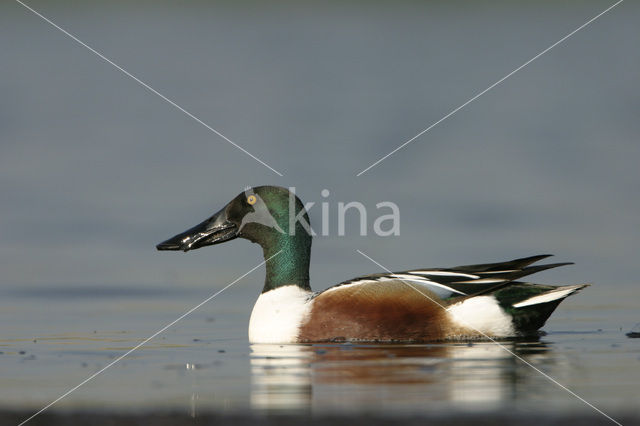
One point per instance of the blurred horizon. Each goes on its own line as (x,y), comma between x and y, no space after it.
(96,170)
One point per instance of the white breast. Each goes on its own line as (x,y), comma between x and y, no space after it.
(278,314)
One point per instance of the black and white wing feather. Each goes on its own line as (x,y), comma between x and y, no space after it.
(461,281)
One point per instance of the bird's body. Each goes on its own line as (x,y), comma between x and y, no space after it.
(410,306)
(421,305)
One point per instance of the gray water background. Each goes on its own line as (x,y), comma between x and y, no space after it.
(95,170)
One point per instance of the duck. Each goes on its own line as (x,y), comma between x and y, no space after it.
(468,302)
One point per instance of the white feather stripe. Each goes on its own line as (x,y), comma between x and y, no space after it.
(438,287)
(484,281)
(408,277)
(342,286)
(550,296)
(444,274)
(440,290)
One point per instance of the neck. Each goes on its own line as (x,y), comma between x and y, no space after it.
(289,261)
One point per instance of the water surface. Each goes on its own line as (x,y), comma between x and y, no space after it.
(204,363)
(95,170)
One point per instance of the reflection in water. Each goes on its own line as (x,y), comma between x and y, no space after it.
(349,377)
(281,377)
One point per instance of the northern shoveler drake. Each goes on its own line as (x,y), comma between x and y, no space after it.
(420,305)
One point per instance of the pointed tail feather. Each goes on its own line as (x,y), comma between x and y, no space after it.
(538,268)
(556,294)
(510,278)
(515,264)
(531,313)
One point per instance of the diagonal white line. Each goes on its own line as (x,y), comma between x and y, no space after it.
(490,87)
(147,340)
(146,86)
(502,346)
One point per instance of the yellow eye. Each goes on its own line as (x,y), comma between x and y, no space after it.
(251,199)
